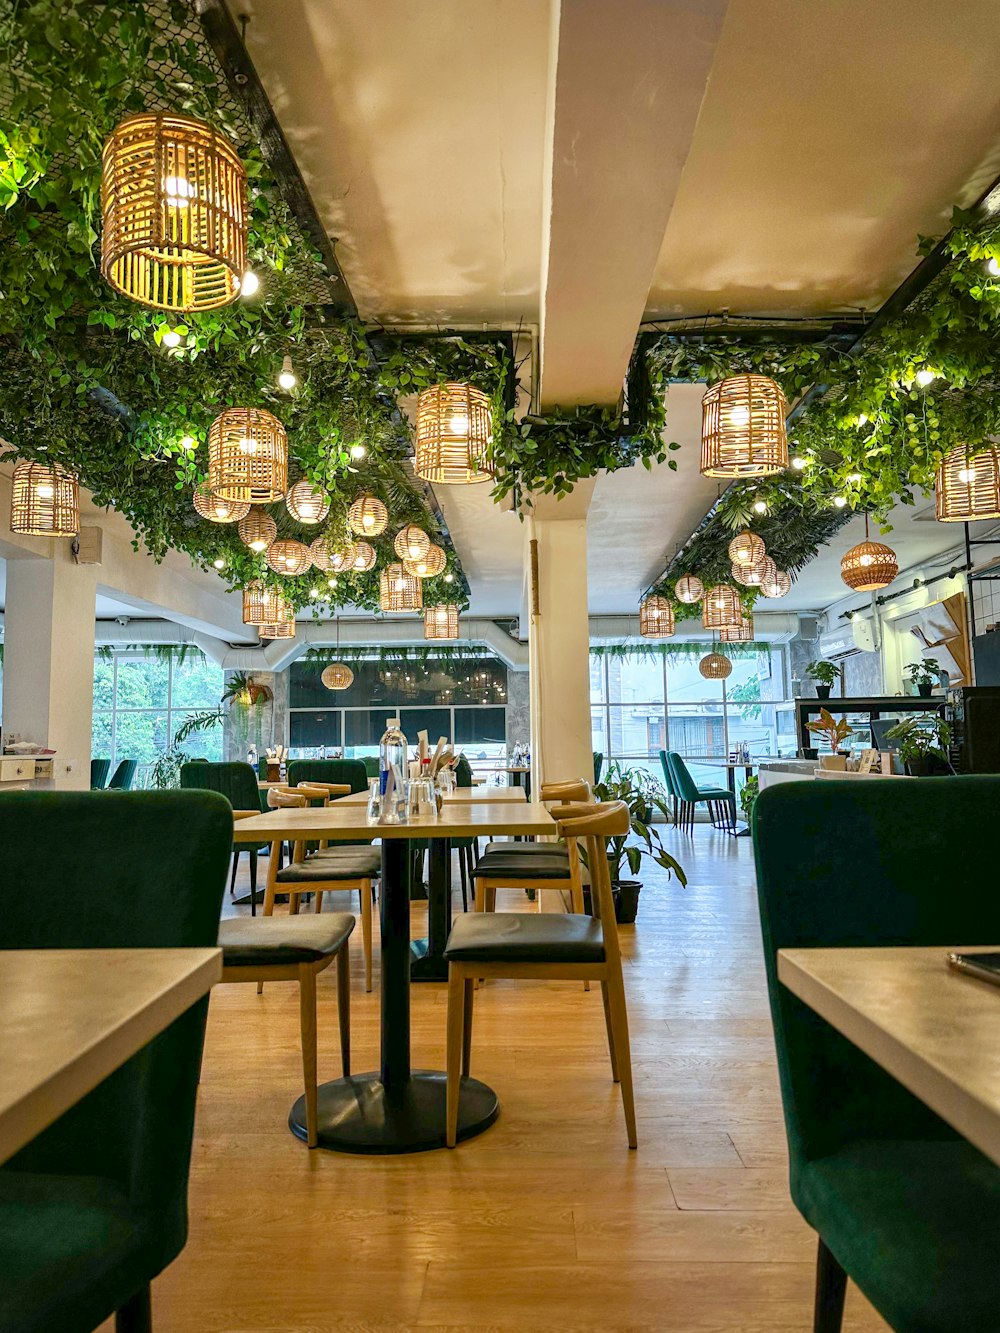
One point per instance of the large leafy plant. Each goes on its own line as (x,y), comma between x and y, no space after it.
(645,799)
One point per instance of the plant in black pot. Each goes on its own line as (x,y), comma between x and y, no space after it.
(924,675)
(923,745)
(645,799)
(825,674)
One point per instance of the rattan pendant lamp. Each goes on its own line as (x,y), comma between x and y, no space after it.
(441,622)
(747,548)
(257,530)
(279,629)
(174,213)
(741,633)
(430,565)
(262,604)
(44,500)
(869,565)
(715,666)
(217,509)
(721,607)
(967,486)
(743,428)
(755,575)
(368,516)
(689,589)
(454,430)
(338,675)
(289,557)
(307,503)
(399,591)
(656,618)
(778,586)
(364,557)
(248,455)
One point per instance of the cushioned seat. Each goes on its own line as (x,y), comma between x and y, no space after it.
(530,848)
(525,937)
(506,866)
(334,863)
(281,941)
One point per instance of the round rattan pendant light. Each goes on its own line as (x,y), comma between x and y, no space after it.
(368,516)
(399,591)
(741,633)
(967,486)
(289,557)
(279,629)
(778,586)
(454,430)
(746,548)
(721,607)
(656,618)
(715,667)
(689,589)
(257,530)
(307,503)
(755,575)
(869,565)
(411,543)
(248,455)
(174,213)
(333,554)
(428,566)
(215,508)
(44,500)
(364,557)
(338,675)
(262,604)
(743,428)
(441,622)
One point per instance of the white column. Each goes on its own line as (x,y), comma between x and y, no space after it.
(48,684)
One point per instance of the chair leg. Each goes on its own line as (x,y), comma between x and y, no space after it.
(611,1032)
(576,904)
(253,883)
(232,877)
(470,995)
(318,901)
(831,1285)
(136,1315)
(623,1055)
(307,1026)
(366,929)
(456,1024)
(463,878)
(479,900)
(344,1006)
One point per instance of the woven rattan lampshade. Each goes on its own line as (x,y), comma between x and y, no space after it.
(279,629)
(741,633)
(715,667)
(217,509)
(368,516)
(174,213)
(399,591)
(411,543)
(755,575)
(746,548)
(289,557)
(428,566)
(721,607)
(337,676)
(257,530)
(743,428)
(248,455)
(967,486)
(656,618)
(307,503)
(689,588)
(454,430)
(441,622)
(778,586)
(869,565)
(262,604)
(364,557)
(44,500)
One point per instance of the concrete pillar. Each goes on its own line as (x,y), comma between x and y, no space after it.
(264,724)
(518,709)
(49,660)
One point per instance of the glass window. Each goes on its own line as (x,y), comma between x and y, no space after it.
(597,678)
(142,682)
(481,732)
(639,729)
(196,683)
(435,721)
(635,680)
(686,683)
(312,732)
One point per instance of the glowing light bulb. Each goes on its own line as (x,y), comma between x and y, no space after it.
(171,338)
(865,560)
(219,564)
(358,452)
(250,285)
(449,578)
(314,593)
(221,509)
(967,474)
(925,377)
(178,191)
(760,507)
(442,615)
(739,417)
(331,583)
(993,268)
(188,442)
(862,419)
(459,424)
(799,462)
(401,585)
(247,445)
(45,490)
(258,546)
(421,568)
(855,477)
(286,377)
(368,521)
(839,501)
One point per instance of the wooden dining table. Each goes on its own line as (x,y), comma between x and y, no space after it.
(397,1109)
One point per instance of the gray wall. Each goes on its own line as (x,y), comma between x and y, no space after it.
(518,709)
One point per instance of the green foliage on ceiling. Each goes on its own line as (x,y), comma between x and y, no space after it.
(681,648)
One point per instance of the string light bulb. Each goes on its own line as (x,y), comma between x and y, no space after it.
(925,377)
(287,379)
(358,451)
(250,284)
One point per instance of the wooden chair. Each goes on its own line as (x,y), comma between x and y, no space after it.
(546,946)
(296,949)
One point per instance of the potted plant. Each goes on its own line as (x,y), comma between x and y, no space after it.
(748,795)
(923,745)
(924,675)
(645,798)
(835,734)
(825,674)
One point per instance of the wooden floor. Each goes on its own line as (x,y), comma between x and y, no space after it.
(547,1221)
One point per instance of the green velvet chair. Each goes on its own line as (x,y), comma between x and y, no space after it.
(350,772)
(903,1205)
(123,776)
(95,1207)
(237,782)
(668,782)
(99,770)
(720,800)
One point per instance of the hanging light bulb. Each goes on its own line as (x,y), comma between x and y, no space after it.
(286,376)
(760,507)
(839,501)
(250,284)
(219,564)
(358,451)
(925,377)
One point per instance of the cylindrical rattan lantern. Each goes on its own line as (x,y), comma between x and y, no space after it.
(368,516)
(289,557)
(741,633)
(778,586)
(217,509)
(715,667)
(248,455)
(307,503)
(364,557)
(262,604)
(869,565)
(689,589)
(743,428)
(441,622)
(753,576)
(278,629)
(174,213)
(656,618)
(411,543)
(721,606)
(967,486)
(454,430)
(44,500)
(746,548)
(429,565)
(257,530)
(399,591)
(337,676)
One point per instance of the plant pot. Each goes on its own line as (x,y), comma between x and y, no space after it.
(928,766)
(625,893)
(925,690)
(823,691)
(836,763)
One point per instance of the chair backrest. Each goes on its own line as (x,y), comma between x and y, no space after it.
(349,771)
(288,800)
(595,823)
(566,793)
(685,787)
(668,777)
(598,766)
(236,781)
(463,772)
(99,770)
(879,862)
(123,776)
(126,870)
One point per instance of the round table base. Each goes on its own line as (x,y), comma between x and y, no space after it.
(358,1115)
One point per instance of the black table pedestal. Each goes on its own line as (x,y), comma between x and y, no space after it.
(427,962)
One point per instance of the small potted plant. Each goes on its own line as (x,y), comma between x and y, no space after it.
(825,674)
(923,745)
(645,798)
(924,675)
(835,733)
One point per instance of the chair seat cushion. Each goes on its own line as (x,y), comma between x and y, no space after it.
(333,863)
(915,1224)
(714,794)
(525,937)
(526,848)
(509,865)
(275,941)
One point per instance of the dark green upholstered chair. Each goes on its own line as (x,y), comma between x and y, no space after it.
(371,765)
(237,782)
(99,770)
(96,1206)
(123,776)
(668,782)
(720,800)
(903,1205)
(351,772)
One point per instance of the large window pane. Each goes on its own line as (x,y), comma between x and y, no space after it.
(205,744)
(598,731)
(481,733)
(142,682)
(311,733)
(635,680)
(596,678)
(435,721)
(100,742)
(104,683)
(685,683)
(697,730)
(140,735)
(363,730)
(636,730)
(196,683)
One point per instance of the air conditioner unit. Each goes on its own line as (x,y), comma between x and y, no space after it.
(854,636)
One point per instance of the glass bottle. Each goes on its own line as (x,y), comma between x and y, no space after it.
(392,759)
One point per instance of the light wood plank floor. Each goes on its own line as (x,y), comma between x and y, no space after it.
(547,1221)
